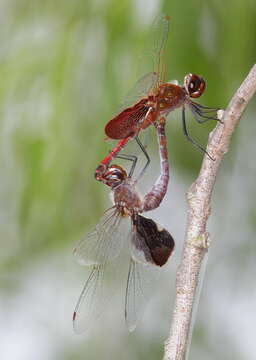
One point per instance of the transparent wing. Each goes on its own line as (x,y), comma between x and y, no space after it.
(151,246)
(155,49)
(91,301)
(138,289)
(105,242)
(153,58)
(140,90)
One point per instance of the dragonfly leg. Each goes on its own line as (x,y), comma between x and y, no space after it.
(146,155)
(185,131)
(132,158)
(203,113)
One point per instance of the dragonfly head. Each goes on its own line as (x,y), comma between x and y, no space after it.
(114,176)
(194,85)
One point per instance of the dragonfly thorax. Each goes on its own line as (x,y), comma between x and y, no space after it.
(126,198)
(170,96)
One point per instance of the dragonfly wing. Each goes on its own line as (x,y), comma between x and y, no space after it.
(151,246)
(91,301)
(150,243)
(125,124)
(105,242)
(141,89)
(154,52)
(122,125)
(138,289)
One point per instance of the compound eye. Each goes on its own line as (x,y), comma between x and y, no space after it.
(194,85)
(114,176)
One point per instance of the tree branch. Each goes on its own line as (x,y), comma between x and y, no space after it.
(196,239)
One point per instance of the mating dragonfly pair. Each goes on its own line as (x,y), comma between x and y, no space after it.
(150,245)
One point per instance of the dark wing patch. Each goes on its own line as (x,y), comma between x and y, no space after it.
(124,124)
(156,243)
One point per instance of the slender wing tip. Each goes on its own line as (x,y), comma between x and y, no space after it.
(74,323)
(131,326)
(74,316)
(76,328)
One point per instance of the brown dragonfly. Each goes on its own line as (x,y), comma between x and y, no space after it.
(154,97)
(150,245)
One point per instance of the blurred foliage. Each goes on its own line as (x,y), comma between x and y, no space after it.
(65,67)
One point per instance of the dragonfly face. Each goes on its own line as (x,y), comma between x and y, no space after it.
(114,175)
(194,85)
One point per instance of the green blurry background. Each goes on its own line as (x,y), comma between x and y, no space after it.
(65,66)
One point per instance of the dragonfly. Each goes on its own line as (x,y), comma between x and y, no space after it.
(150,245)
(154,97)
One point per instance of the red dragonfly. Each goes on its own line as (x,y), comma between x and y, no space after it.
(150,245)
(153,98)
